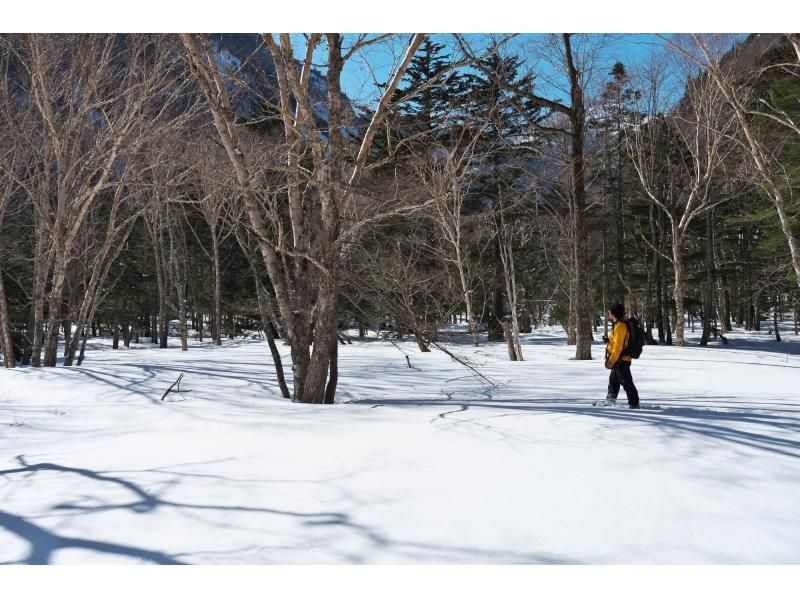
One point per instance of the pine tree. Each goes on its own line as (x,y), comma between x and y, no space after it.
(430,85)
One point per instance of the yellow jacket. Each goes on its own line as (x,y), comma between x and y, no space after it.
(618,341)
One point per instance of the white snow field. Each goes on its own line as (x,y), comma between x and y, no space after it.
(428,465)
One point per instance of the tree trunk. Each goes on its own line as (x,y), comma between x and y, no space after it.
(757,311)
(512,354)
(82,353)
(583,305)
(661,287)
(572,335)
(161,283)
(467,294)
(525,323)
(333,375)
(620,217)
(494,321)
(273,349)
(41,269)
(325,333)
(265,311)
(9,359)
(509,275)
(723,289)
(163,318)
(421,342)
(182,318)
(678,291)
(708,294)
(70,347)
(217,332)
(652,281)
(54,307)
(67,326)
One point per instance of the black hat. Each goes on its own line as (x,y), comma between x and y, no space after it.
(618,309)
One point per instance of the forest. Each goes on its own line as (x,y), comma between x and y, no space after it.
(210,187)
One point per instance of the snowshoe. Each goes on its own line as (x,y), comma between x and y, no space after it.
(607,402)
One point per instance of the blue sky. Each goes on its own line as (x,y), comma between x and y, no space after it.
(363,71)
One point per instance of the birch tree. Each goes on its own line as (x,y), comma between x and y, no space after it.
(322,169)
(734,89)
(119,221)
(95,99)
(446,174)
(7,191)
(678,158)
(213,202)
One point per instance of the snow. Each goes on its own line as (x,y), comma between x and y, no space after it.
(428,465)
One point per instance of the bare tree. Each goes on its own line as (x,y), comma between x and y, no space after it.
(95,100)
(401,274)
(178,267)
(678,159)
(734,90)
(573,59)
(215,198)
(445,175)
(505,238)
(156,224)
(321,172)
(249,244)
(7,191)
(119,223)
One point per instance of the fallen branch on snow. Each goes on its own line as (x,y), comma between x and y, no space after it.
(173,389)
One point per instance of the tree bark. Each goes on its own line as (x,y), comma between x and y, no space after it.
(583,304)
(217,333)
(678,290)
(9,360)
(333,375)
(509,275)
(266,321)
(708,290)
(723,289)
(126,335)
(512,354)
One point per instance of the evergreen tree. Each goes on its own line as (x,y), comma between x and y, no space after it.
(431,86)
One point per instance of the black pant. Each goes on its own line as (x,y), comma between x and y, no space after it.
(621,375)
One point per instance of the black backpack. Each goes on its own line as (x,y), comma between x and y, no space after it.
(635,338)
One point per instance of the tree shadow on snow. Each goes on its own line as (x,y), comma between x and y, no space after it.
(151,380)
(776,425)
(43,543)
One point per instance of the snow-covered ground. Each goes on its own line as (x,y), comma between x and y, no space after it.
(431,464)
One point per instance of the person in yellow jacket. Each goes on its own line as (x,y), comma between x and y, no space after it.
(617,361)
